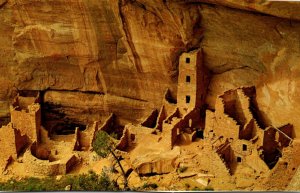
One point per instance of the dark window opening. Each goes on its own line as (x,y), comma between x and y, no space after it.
(188,79)
(239,159)
(244,147)
(187,60)
(187,99)
(199,134)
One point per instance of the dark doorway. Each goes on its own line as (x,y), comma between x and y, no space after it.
(187,99)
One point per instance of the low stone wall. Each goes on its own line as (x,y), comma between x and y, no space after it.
(45,167)
(138,132)
(39,152)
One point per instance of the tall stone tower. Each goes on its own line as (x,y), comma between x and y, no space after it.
(192,80)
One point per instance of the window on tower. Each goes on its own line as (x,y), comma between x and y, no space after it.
(188,79)
(187,99)
(187,60)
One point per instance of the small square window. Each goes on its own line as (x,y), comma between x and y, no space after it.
(188,79)
(187,99)
(244,147)
(239,159)
(187,60)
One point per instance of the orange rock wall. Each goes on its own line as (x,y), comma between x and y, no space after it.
(128,51)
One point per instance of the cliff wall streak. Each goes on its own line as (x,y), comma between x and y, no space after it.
(129,50)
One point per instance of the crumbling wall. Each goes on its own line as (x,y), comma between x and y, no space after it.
(217,165)
(187,138)
(88,136)
(269,143)
(227,127)
(254,161)
(244,105)
(169,135)
(236,104)
(47,168)
(26,98)
(210,123)
(124,142)
(83,139)
(21,141)
(227,103)
(24,102)
(28,122)
(259,139)
(77,145)
(226,154)
(108,124)
(281,175)
(224,124)
(12,143)
(173,126)
(233,118)
(161,117)
(248,132)
(288,130)
(249,155)
(137,133)
(69,164)
(150,121)
(175,114)
(7,147)
(40,152)
(242,147)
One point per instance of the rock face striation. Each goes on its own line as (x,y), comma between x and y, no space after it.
(92,58)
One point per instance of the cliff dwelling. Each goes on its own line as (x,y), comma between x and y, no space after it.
(191,95)
(221,145)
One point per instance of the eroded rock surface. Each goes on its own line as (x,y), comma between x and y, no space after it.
(128,51)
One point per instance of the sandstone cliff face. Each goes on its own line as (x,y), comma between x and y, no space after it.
(94,57)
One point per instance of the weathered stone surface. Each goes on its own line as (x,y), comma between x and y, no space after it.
(123,49)
(254,50)
(187,174)
(134,181)
(294,184)
(128,51)
(284,9)
(154,163)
